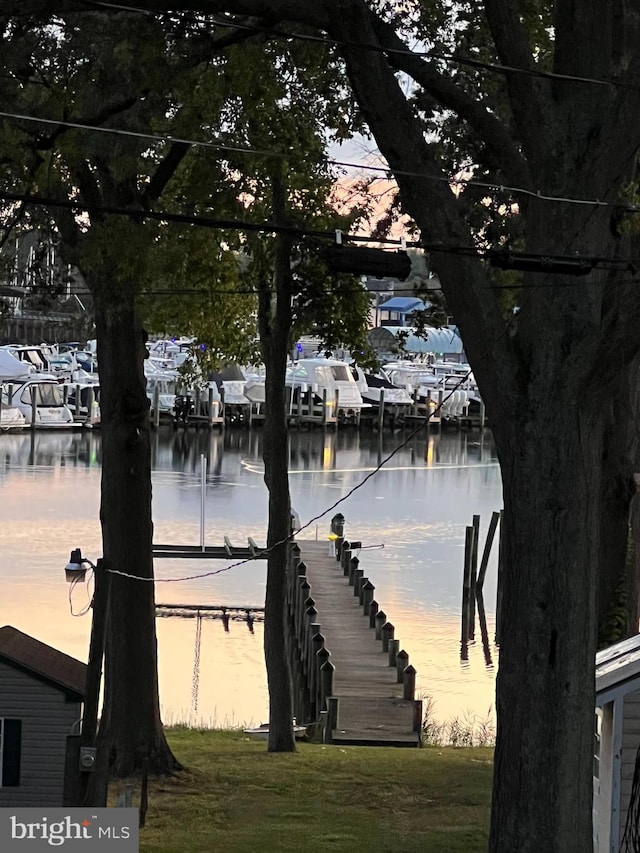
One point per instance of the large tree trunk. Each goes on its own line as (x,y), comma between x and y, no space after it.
(275,630)
(545,691)
(617,579)
(131,727)
(274,319)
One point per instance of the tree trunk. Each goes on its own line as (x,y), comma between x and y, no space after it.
(276,446)
(545,691)
(131,727)
(274,322)
(617,581)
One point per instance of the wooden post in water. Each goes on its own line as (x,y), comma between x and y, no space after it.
(337,529)
(322,657)
(302,594)
(482,618)
(466,584)
(409,683)
(381,411)
(333,708)
(495,518)
(373,612)
(34,405)
(210,405)
(354,562)
(367,589)
(156,406)
(386,635)
(499,587)
(402,662)
(324,407)
(358,575)
(394,648)
(417,716)
(380,620)
(474,577)
(345,557)
(317,643)
(326,682)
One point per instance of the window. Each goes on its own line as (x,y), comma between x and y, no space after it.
(10,743)
(596,744)
(340,372)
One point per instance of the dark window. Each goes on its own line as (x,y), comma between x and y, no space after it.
(11,738)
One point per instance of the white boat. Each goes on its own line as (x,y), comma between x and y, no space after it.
(330,379)
(161,389)
(262,732)
(372,384)
(51,412)
(11,418)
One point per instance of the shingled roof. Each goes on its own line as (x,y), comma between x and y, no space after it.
(42,661)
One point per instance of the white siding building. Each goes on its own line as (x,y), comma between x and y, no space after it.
(617,743)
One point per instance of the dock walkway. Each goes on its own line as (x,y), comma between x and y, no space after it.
(367,680)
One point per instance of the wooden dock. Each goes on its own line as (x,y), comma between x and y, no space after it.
(370,689)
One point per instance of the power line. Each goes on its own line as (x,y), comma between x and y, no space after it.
(492,186)
(543,261)
(377,48)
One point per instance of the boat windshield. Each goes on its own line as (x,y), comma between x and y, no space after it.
(46,395)
(341,372)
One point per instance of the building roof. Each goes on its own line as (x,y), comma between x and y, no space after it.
(445,341)
(618,664)
(42,661)
(403,304)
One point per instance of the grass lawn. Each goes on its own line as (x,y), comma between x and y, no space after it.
(237,798)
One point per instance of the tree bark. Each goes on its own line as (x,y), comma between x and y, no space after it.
(274,320)
(276,449)
(617,577)
(131,729)
(545,689)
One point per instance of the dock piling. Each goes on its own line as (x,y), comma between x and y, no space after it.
(386,635)
(402,662)
(394,648)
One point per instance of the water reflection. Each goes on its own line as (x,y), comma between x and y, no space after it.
(410,517)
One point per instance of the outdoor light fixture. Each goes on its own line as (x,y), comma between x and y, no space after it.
(75,569)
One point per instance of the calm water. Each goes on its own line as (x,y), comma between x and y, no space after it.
(411,518)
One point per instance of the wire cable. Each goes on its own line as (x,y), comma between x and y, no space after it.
(376,48)
(453,182)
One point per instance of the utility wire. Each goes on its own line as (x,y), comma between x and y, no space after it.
(300,232)
(377,48)
(453,182)
(422,425)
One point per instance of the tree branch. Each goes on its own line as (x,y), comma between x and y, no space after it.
(494,132)
(529,102)
(431,203)
(165,171)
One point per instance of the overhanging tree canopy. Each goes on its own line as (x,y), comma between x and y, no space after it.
(540,102)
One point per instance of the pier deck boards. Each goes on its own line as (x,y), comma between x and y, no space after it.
(371,708)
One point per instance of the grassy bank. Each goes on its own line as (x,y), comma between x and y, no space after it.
(237,798)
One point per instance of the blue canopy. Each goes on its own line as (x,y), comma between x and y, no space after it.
(403,304)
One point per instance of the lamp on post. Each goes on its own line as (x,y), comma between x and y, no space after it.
(75,571)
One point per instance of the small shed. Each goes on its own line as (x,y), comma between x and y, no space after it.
(41,695)
(397,310)
(617,743)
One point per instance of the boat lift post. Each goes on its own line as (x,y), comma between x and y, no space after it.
(203,496)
